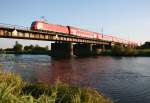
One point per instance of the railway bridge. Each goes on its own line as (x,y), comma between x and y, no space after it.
(65,44)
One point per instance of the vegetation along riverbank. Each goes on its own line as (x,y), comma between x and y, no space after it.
(121,50)
(116,50)
(14,90)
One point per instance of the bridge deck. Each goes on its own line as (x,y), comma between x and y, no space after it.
(25,33)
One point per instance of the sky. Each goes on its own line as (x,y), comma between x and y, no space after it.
(128,19)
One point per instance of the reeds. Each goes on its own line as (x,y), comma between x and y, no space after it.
(14,90)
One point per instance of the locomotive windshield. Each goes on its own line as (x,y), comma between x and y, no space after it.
(33,24)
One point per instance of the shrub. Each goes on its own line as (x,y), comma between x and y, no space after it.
(121,50)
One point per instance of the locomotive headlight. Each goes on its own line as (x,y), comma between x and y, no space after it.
(39,26)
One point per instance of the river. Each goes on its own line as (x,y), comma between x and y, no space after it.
(123,79)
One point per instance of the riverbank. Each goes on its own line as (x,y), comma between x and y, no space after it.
(136,52)
(133,53)
(15,90)
(24,52)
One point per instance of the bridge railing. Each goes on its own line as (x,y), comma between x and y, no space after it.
(14,26)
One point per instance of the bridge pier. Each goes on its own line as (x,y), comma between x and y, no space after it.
(82,49)
(61,49)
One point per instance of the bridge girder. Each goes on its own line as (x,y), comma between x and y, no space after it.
(46,36)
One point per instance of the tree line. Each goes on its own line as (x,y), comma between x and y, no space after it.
(18,49)
(121,50)
(116,50)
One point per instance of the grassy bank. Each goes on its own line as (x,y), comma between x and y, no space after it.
(14,90)
(143,52)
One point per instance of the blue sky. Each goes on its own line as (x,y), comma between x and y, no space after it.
(129,19)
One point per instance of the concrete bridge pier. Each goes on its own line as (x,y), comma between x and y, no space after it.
(82,49)
(61,49)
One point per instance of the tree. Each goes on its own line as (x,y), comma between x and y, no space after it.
(17,47)
(28,48)
(121,50)
(118,50)
(46,48)
(146,45)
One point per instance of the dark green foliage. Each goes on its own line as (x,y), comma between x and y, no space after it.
(146,45)
(144,50)
(36,90)
(118,50)
(64,92)
(36,50)
(39,49)
(17,47)
(129,51)
(9,49)
(28,48)
(121,50)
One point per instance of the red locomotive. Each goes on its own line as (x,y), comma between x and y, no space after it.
(41,25)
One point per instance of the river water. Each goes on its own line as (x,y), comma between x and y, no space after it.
(123,79)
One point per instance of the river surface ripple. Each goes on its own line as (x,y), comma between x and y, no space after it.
(123,79)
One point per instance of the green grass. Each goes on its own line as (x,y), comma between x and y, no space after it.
(14,90)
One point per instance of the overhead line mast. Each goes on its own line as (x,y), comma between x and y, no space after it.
(102,31)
